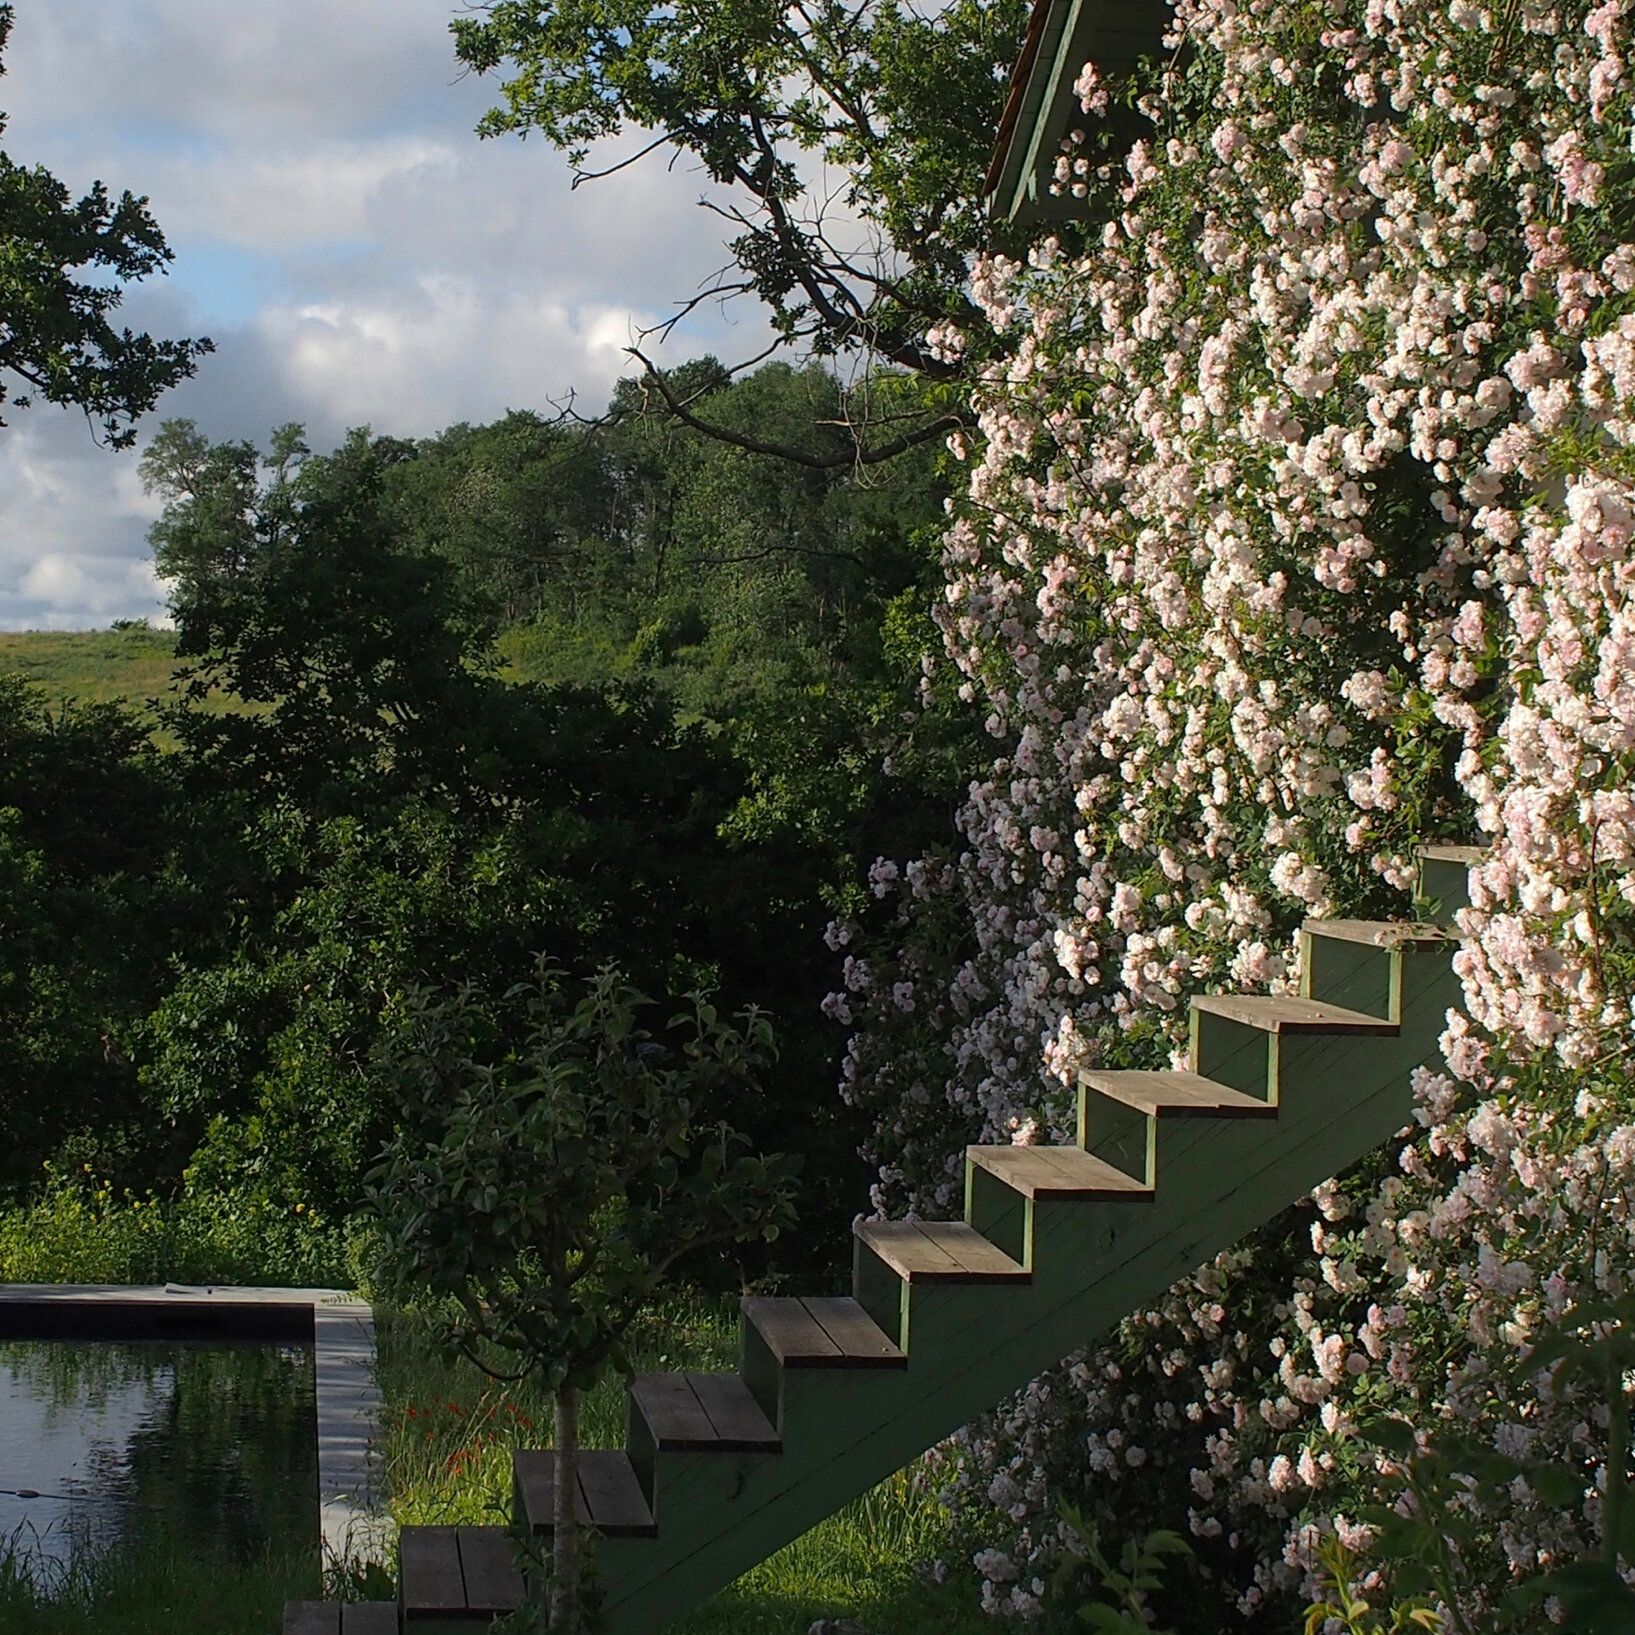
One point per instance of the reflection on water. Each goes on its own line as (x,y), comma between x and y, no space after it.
(108,1444)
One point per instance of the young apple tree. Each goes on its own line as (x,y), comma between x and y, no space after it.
(552,1163)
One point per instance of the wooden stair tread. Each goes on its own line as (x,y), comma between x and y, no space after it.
(1169,1094)
(1453,854)
(369,1618)
(1284,1013)
(456,1574)
(702,1413)
(821,1333)
(939,1252)
(340,1618)
(1381,933)
(493,1583)
(1057,1172)
(312,1618)
(610,1496)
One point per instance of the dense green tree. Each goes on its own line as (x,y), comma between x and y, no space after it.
(88,906)
(522,508)
(767,96)
(389,810)
(367,674)
(55,334)
(548,1280)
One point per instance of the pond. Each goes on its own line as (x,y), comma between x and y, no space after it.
(131,1443)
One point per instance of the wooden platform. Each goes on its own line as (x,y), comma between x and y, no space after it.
(610,1497)
(456,1577)
(340,1618)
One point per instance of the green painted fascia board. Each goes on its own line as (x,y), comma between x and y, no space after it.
(1011,187)
(1075,31)
(1046,111)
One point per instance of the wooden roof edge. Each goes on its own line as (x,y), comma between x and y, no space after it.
(1013,100)
(1041,106)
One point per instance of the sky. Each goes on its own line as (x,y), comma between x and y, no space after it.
(355,252)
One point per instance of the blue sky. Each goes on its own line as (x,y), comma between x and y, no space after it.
(355,252)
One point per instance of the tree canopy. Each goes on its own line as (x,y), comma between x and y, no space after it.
(777,102)
(55,335)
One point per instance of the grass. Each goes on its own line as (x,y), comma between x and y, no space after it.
(150,1591)
(131,667)
(450,1431)
(93,666)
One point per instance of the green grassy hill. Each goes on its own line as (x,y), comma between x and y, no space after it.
(132,666)
(94,666)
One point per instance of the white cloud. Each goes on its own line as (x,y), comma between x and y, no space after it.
(321,190)
(388,267)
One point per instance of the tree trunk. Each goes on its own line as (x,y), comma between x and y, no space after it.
(565,1516)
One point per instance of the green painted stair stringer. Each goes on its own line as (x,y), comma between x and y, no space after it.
(1337,1095)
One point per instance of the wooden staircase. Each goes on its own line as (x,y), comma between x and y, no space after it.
(948,1317)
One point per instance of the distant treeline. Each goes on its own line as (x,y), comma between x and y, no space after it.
(713,653)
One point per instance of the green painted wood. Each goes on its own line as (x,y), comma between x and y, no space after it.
(994,1205)
(1119,1113)
(1092,1261)
(1443,886)
(314,1618)
(369,1618)
(1245,1177)
(430,1583)
(1116,36)
(488,1564)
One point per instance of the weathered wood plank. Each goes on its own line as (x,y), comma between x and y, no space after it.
(1055,1172)
(533,1470)
(904,1249)
(1284,1013)
(430,1583)
(1468,855)
(862,1342)
(673,1412)
(369,1618)
(736,1417)
(1176,1095)
(1381,933)
(973,1253)
(314,1618)
(790,1332)
(613,1494)
(492,1582)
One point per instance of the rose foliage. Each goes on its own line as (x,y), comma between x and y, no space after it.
(1298,532)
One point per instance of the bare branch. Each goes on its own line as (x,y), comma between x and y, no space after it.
(581,175)
(778,550)
(858,455)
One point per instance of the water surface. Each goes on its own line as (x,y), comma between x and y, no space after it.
(203,1444)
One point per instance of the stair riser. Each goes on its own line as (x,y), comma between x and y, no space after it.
(1444,889)
(1357,975)
(999,1212)
(1124,1136)
(1232,1053)
(667,1477)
